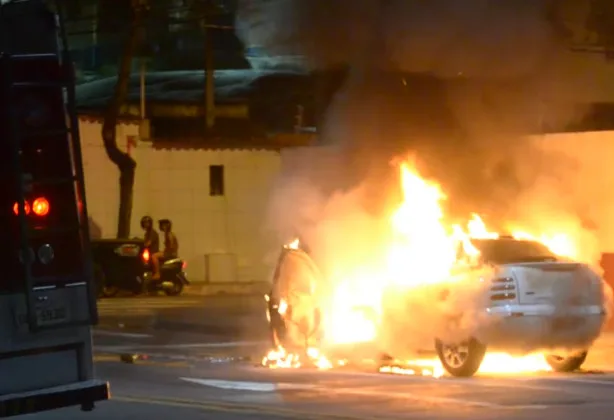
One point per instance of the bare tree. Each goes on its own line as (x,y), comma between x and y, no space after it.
(124,162)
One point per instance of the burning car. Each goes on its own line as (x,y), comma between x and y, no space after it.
(429,285)
(534,301)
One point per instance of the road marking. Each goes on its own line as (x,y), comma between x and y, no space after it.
(444,400)
(235,408)
(220,345)
(154,303)
(586,381)
(121,334)
(115,358)
(272,387)
(247,386)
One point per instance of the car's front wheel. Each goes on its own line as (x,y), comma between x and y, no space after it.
(462,359)
(566,364)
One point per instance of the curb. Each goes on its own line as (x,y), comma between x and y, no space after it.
(158,322)
(235,329)
(210,289)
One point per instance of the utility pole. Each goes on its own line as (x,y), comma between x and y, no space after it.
(209,71)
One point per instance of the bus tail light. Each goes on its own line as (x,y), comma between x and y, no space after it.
(16,208)
(146,256)
(40,206)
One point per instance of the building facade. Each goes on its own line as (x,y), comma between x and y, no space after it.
(216,199)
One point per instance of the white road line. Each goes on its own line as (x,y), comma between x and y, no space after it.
(111,349)
(121,334)
(127,311)
(586,381)
(444,400)
(247,386)
(130,302)
(272,387)
(206,345)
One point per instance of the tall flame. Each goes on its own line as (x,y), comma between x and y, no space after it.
(423,250)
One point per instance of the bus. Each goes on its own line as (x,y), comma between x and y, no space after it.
(47,298)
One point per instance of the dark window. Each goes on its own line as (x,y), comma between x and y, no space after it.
(216,180)
(509,251)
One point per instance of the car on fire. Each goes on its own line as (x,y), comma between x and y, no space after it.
(529,300)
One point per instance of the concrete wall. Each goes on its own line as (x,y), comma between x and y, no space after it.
(175,184)
(589,179)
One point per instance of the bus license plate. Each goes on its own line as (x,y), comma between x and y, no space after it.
(51,316)
(45,316)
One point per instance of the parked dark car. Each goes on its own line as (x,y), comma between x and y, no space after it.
(119,264)
(125,265)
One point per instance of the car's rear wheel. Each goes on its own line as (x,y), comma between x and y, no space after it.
(462,359)
(103,288)
(566,364)
(99,280)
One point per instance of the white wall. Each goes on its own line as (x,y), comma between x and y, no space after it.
(590,177)
(174,184)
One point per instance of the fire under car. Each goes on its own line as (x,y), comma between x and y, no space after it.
(530,300)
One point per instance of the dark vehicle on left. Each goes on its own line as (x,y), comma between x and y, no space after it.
(47,301)
(126,265)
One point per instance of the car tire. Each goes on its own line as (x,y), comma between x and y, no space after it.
(98,280)
(103,290)
(566,364)
(462,360)
(277,331)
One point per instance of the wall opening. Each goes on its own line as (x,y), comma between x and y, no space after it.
(216,180)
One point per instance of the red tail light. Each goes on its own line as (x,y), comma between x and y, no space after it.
(146,256)
(16,208)
(184,265)
(40,207)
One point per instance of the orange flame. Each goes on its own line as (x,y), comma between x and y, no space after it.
(422,250)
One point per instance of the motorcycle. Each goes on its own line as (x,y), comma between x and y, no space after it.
(172,275)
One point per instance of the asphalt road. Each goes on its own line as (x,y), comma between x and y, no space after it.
(196,377)
(208,374)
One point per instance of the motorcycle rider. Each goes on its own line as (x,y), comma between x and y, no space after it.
(171,247)
(152,239)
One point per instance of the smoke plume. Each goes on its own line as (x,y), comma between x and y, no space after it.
(459,84)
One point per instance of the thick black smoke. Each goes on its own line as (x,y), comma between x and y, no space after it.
(458,82)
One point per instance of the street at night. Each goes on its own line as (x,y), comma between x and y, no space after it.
(211,375)
(299,209)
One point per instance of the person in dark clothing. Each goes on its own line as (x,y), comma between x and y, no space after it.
(152,239)
(171,247)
